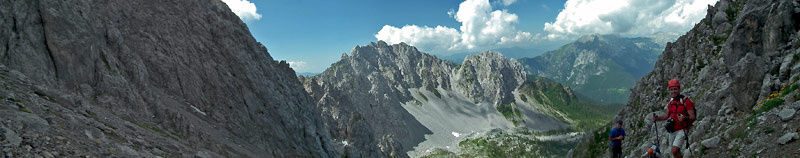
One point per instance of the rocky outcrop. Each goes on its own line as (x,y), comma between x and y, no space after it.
(740,66)
(147,79)
(488,77)
(603,67)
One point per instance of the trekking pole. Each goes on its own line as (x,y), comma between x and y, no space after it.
(655,127)
(687,135)
(687,142)
(658,142)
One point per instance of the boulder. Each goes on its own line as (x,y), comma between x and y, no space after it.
(719,18)
(787,137)
(791,97)
(712,142)
(786,114)
(10,138)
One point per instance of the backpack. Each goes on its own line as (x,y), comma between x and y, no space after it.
(689,123)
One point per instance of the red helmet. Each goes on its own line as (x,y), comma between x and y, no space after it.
(674,83)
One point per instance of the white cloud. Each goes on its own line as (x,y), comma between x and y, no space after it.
(626,17)
(507,2)
(426,38)
(481,28)
(299,66)
(244,9)
(545,7)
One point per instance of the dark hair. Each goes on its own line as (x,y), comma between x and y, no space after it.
(619,122)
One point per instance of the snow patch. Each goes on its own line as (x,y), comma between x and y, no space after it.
(198,110)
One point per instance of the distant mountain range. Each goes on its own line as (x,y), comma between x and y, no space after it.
(306,73)
(603,67)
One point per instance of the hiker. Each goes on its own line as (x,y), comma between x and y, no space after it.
(652,152)
(680,116)
(616,136)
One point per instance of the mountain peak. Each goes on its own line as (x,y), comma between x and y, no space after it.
(381,48)
(491,55)
(588,38)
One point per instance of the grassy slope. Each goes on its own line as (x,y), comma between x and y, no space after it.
(585,115)
(504,144)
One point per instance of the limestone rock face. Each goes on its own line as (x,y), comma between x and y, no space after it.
(739,68)
(147,78)
(488,77)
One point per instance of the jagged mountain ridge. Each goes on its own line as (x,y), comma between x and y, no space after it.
(146,79)
(386,100)
(740,66)
(603,67)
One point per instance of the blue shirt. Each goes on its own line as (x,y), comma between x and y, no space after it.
(616,132)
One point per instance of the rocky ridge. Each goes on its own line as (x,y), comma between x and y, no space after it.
(146,79)
(740,66)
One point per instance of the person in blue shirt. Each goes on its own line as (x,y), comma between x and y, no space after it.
(616,136)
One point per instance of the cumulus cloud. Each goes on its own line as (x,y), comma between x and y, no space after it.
(481,28)
(626,17)
(299,66)
(244,9)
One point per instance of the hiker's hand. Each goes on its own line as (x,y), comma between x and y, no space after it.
(654,117)
(681,117)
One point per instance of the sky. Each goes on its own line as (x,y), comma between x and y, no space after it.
(312,34)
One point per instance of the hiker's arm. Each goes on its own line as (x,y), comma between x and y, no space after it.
(610,136)
(662,117)
(691,115)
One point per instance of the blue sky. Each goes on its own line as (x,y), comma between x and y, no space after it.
(312,34)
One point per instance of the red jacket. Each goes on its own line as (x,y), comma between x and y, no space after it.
(675,107)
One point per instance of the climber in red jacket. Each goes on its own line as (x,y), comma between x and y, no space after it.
(680,116)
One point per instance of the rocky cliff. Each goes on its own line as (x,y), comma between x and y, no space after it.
(740,66)
(146,79)
(603,67)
